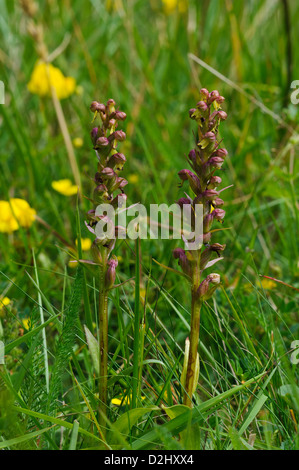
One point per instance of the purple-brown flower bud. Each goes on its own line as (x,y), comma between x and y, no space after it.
(202,106)
(214,182)
(184,263)
(108,173)
(111,103)
(218,214)
(210,194)
(218,202)
(111,273)
(208,286)
(102,142)
(213,96)
(183,201)
(220,99)
(221,153)
(120,136)
(117,161)
(118,183)
(208,141)
(192,178)
(120,115)
(94,134)
(222,115)
(215,162)
(204,93)
(96,106)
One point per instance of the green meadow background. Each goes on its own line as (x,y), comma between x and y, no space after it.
(139,53)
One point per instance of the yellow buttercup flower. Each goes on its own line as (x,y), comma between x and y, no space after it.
(25,215)
(85,244)
(45,76)
(65,187)
(4,301)
(78,142)
(8,223)
(123,401)
(15,213)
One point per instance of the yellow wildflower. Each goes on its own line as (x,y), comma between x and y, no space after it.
(26,323)
(25,215)
(78,142)
(14,214)
(133,178)
(268,284)
(4,301)
(45,76)
(65,187)
(7,221)
(123,401)
(85,243)
(170,6)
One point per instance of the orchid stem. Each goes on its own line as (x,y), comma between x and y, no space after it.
(103,359)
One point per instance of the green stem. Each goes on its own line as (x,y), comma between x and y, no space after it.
(136,359)
(194,339)
(103,360)
(194,336)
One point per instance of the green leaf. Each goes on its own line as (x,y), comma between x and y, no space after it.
(24,438)
(94,349)
(125,422)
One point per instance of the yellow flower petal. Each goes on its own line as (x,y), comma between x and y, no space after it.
(26,323)
(123,401)
(85,244)
(4,301)
(17,212)
(45,76)
(8,222)
(268,284)
(65,187)
(24,214)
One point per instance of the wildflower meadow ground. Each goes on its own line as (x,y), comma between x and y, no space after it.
(116,341)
